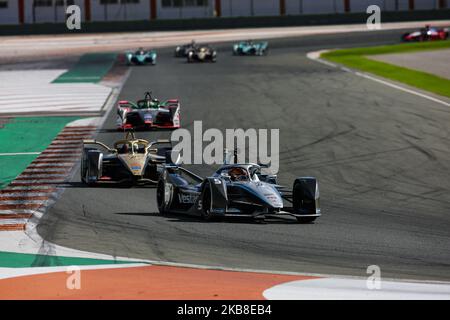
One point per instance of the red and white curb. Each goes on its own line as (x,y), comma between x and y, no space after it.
(34,189)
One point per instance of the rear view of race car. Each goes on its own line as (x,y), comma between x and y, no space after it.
(148,113)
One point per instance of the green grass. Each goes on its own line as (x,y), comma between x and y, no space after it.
(27,134)
(359,58)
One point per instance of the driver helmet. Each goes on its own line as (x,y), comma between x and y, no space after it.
(237,173)
(124,149)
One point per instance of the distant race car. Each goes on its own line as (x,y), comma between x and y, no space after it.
(148,113)
(426,34)
(202,54)
(237,190)
(141,57)
(130,160)
(182,51)
(251,48)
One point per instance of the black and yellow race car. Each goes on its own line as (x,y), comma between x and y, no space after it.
(130,161)
(202,53)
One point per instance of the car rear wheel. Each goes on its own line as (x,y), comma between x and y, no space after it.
(206,205)
(84,172)
(162,198)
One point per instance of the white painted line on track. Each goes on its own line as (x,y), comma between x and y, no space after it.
(6,273)
(11,202)
(7,222)
(316,57)
(18,154)
(392,85)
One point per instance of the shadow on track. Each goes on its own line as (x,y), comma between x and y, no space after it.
(175,217)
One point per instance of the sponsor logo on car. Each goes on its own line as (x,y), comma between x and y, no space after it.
(187,198)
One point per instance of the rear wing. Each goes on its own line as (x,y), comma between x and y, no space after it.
(91,141)
(151,145)
(126,104)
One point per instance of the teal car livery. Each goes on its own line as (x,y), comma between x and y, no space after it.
(250,48)
(141,57)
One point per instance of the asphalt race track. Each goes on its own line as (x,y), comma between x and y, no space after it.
(381,156)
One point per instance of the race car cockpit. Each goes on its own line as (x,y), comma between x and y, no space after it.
(148,102)
(140,52)
(234,173)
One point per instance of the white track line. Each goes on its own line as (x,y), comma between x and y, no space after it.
(18,154)
(392,85)
(6,273)
(316,57)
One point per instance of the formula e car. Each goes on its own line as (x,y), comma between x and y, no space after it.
(250,48)
(426,34)
(130,160)
(141,57)
(148,113)
(238,190)
(182,51)
(202,54)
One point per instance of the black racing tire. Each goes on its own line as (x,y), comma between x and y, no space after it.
(206,205)
(296,190)
(89,184)
(83,170)
(160,194)
(305,220)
